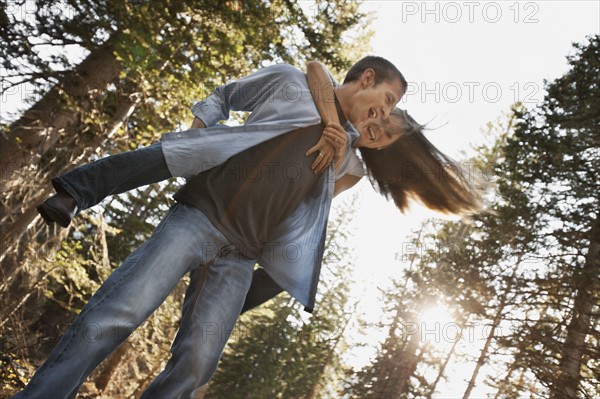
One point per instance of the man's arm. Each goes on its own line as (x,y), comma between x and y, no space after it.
(244,94)
(250,91)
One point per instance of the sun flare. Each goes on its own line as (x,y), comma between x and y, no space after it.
(437,313)
(438,326)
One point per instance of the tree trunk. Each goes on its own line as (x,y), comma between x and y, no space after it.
(409,361)
(19,209)
(41,126)
(495,323)
(486,347)
(38,130)
(109,366)
(443,366)
(569,378)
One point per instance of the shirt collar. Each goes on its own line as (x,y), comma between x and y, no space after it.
(340,111)
(348,126)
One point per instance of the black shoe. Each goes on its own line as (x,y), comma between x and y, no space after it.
(59,208)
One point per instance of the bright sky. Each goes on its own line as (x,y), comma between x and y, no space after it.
(466,62)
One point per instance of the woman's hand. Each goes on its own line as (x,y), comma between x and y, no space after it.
(335,135)
(332,146)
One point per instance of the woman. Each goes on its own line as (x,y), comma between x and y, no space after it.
(89,184)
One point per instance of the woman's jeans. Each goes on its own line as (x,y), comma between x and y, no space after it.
(183,242)
(91,183)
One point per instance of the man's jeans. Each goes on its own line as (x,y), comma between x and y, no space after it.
(183,242)
(91,183)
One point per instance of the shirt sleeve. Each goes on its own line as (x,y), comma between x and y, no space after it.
(244,94)
(353,167)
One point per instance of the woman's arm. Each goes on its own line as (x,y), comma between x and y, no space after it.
(321,88)
(344,183)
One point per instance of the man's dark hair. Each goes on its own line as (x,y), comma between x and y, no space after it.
(384,70)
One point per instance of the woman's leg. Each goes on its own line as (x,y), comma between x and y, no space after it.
(91,183)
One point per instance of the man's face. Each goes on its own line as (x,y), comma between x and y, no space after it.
(374,101)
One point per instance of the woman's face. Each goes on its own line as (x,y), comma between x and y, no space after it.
(373,134)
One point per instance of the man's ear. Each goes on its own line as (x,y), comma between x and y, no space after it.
(368,78)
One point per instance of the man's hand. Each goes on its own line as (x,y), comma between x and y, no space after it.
(198,124)
(331,146)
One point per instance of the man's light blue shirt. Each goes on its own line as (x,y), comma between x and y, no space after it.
(280,101)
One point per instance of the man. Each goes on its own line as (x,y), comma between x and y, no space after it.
(249,198)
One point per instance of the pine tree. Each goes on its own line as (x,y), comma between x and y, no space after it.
(555,151)
(531,264)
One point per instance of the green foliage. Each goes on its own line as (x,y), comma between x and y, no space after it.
(73,274)
(403,361)
(172,52)
(11,374)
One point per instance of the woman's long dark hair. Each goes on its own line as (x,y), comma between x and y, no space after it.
(413,168)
